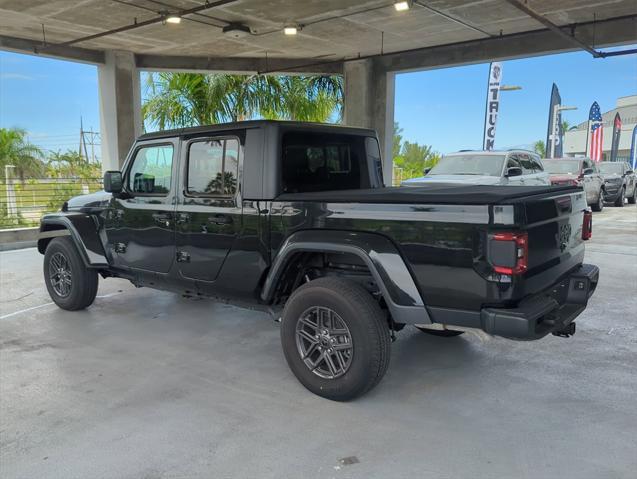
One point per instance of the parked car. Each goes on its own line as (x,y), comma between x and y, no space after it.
(512,168)
(619,182)
(293,219)
(582,172)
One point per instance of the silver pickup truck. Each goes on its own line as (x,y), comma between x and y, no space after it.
(511,168)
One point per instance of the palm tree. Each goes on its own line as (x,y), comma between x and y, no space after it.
(16,150)
(540,148)
(186,99)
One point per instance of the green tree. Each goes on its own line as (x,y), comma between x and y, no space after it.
(540,148)
(16,150)
(414,158)
(71,164)
(176,100)
(398,140)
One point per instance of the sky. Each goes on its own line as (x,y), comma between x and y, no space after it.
(443,108)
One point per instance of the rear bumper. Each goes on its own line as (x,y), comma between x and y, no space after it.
(548,312)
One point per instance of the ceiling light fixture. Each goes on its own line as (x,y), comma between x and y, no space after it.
(402,6)
(291,29)
(174,19)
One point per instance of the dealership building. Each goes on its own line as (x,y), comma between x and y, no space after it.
(575,140)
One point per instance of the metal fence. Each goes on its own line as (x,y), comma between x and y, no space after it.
(23,203)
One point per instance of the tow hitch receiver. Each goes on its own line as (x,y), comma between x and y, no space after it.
(567,332)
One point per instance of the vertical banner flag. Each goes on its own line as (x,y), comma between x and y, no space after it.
(492,106)
(597,132)
(633,150)
(617,130)
(554,131)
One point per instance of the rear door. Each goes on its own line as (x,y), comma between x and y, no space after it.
(209,211)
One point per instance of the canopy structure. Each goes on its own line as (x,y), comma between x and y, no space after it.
(367,41)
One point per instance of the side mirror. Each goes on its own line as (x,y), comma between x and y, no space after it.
(513,171)
(588,171)
(426,170)
(629,172)
(113,182)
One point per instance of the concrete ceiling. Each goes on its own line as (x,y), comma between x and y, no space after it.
(332,29)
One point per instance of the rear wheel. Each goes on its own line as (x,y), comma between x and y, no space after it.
(633,199)
(71,285)
(620,199)
(443,333)
(599,206)
(335,338)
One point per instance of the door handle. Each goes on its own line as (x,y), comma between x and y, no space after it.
(162,218)
(220,219)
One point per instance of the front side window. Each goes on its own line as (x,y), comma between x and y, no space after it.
(213,166)
(151,171)
(469,164)
(527,164)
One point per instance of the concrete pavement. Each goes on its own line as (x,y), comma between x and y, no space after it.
(146,384)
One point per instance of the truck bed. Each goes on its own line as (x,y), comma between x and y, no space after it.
(431,194)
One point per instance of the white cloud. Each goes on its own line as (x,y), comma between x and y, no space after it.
(15,76)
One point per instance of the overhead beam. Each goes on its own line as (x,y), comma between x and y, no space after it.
(553,27)
(618,31)
(238,64)
(32,47)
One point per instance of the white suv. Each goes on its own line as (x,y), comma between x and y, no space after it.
(512,167)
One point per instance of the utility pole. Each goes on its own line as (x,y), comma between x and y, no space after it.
(90,137)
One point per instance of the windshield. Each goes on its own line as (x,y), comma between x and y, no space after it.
(610,168)
(483,165)
(562,167)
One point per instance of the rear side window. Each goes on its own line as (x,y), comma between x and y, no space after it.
(324,161)
(213,167)
(151,171)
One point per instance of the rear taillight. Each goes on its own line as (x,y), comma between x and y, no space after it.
(587,226)
(509,253)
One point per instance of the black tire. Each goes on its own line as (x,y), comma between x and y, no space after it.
(633,199)
(599,206)
(367,332)
(443,333)
(620,199)
(71,285)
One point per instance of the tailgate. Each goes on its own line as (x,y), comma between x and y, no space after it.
(554,226)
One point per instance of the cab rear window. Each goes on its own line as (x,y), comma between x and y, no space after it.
(323,162)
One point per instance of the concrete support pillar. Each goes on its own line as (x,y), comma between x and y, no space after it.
(369,103)
(120,107)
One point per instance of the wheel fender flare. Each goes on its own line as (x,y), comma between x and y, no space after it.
(82,229)
(381,256)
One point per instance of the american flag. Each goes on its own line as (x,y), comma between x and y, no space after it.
(597,132)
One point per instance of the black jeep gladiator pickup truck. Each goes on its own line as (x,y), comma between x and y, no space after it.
(294,219)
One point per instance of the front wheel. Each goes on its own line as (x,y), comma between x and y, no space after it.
(599,206)
(71,285)
(335,338)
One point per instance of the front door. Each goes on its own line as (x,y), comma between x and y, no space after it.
(209,210)
(140,225)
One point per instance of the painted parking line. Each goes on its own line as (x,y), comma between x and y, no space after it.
(15,313)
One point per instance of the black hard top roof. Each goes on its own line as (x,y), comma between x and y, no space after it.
(307,126)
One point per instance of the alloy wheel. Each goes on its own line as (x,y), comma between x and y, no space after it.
(60,275)
(324,342)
